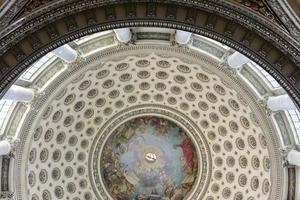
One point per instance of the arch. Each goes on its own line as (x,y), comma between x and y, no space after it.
(60,22)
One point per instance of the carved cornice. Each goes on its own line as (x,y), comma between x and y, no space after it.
(243,29)
(284,12)
(262,8)
(9,10)
(30,6)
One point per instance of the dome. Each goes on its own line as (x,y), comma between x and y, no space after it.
(142,100)
(161,124)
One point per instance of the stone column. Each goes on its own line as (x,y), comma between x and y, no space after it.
(282,102)
(18,93)
(236,60)
(182,37)
(123,34)
(66,53)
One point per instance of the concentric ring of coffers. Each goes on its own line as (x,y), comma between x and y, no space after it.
(90,95)
(124,143)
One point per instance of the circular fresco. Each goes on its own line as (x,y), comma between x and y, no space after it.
(149,158)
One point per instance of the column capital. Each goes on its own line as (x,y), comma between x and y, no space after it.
(281,102)
(236,60)
(10,145)
(290,157)
(123,35)
(283,153)
(182,37)
(19,93)
(66,53)
(7,195)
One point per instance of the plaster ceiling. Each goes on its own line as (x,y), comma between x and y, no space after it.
(70,129)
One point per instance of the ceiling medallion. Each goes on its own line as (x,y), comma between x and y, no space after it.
(150,153)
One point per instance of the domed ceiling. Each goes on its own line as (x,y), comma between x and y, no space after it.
(142,159)
(145,122)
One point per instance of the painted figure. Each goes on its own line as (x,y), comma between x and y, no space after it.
(130,175)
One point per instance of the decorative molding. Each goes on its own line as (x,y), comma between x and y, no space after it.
(262,8)
(252,77)
(194,57)
(256,25)
(206,46)
(14,121)
(9,10)
(287,16)
(285,131)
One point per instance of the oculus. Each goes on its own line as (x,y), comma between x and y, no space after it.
(149,158)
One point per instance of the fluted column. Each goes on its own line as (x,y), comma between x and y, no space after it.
(18,93)
(123,34)
(237,59)
(182,37)
(282,102)
(66,53)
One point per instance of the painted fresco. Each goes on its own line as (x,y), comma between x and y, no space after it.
(149,158)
